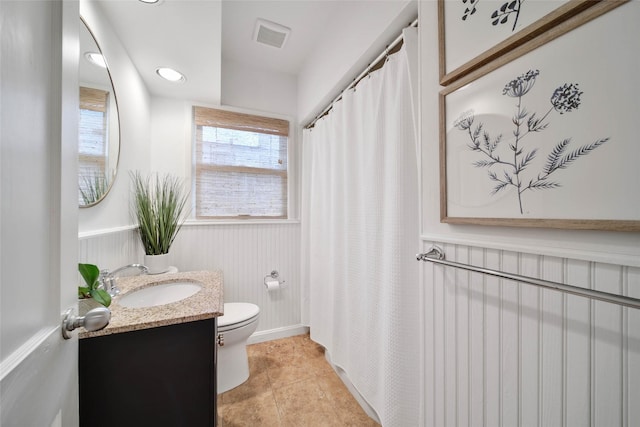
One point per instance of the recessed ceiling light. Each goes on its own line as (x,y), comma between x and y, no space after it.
(151,1)
(96,59)
(170,74)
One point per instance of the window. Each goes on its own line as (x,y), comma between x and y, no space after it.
(240,165)
(93,146)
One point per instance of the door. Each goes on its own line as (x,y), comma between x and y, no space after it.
(38,211)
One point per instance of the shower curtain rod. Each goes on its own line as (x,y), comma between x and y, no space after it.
(387,51)
(436,255)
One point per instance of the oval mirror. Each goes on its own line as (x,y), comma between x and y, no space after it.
(99,129)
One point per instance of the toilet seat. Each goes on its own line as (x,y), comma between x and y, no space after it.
(237,315)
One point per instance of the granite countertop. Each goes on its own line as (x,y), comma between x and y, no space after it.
(205,304)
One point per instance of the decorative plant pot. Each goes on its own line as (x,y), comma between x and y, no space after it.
(157,264)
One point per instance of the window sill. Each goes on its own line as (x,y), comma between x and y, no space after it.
(196,222)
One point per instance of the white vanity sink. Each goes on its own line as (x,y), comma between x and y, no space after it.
(164,293)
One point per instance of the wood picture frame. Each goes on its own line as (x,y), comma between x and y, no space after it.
(477,38)
(575,170)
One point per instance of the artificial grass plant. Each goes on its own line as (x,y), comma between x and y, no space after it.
(159,204)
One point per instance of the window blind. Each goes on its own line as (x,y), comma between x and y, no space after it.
(93,99)
(92,147)
(240,165)
(240,121)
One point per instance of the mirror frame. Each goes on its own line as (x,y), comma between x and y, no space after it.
(117,114)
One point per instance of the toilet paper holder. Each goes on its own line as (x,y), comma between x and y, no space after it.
(274,275)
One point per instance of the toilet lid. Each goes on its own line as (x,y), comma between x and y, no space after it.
(236,312)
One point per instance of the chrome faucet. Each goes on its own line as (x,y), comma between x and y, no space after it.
(108,278)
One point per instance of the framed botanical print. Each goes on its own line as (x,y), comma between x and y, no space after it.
(472,33)
(548,138)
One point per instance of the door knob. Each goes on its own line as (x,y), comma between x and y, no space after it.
(94,320)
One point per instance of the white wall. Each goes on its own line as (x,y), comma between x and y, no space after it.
(244,251)
(134,111)
(499,353)
(259,90)
(354,38)
(170,145)
(243,89)
(271,93)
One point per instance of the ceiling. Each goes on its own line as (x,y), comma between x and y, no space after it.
(184,34)
(307,19)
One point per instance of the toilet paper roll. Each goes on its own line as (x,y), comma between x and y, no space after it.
(272,285)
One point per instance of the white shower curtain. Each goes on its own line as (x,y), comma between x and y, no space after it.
(360,237)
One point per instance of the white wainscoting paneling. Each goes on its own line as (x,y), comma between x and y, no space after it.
(504,353)
(110,249)
(246,253)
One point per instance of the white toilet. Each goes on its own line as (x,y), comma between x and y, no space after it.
(240,320)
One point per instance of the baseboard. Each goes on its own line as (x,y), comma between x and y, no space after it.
(275,334)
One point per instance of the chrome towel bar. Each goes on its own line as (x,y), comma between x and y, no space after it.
(436,255)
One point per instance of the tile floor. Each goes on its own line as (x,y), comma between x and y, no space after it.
(290,384)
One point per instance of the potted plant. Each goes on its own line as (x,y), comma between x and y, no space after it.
(91,275)
(159,204)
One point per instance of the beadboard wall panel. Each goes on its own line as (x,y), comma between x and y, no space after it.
(500,353)
(111,249)
(245,253)
(632,348)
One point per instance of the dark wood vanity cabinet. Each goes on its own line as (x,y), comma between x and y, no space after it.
(163,376)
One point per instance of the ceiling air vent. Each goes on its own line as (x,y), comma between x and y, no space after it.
(270,33)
